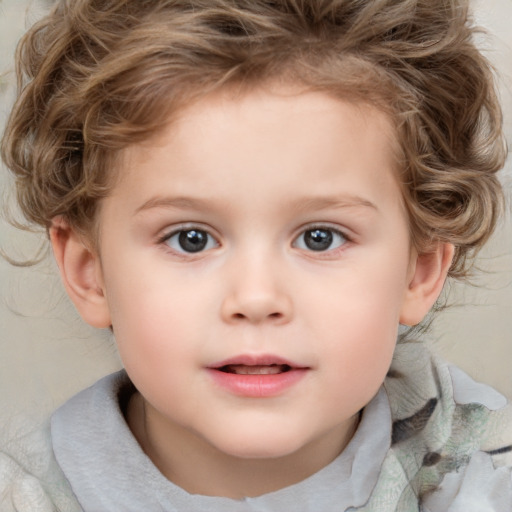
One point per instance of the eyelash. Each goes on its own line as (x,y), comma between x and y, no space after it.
(183,230)
(342,237)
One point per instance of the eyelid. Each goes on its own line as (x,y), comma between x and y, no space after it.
(169,231)
(327,227)
(187,226)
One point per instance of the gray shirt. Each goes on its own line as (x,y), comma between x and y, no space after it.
(108,470)
(450,451)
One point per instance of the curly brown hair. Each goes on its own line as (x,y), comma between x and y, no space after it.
(96,76)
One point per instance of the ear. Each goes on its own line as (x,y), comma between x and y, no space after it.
(80,270)
(426,278)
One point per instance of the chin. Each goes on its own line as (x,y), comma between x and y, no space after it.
(261,447)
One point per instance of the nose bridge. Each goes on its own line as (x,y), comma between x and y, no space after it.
(257,290)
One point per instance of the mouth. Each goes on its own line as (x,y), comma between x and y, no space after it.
(264,364)
(242,369)
(257,376)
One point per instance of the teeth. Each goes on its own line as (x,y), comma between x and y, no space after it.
(241,369)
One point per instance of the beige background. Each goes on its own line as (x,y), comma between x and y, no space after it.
(47,354)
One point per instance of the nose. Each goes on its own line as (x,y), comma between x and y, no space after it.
(257,293)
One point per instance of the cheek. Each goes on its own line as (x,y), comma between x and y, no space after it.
(152,326)
(360,357)
(364,344)
(145,310)
(364,297)
(162,319)
(157,346)
(359,314)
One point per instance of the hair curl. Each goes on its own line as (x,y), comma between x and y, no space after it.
(95,76)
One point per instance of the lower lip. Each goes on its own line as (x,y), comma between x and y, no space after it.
(257,386)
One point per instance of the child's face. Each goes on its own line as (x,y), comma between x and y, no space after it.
(256,260)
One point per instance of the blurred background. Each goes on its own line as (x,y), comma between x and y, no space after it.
(47,353)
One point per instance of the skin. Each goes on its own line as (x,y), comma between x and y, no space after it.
(256,174)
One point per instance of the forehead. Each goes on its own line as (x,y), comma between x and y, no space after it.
(265,106)
(280,135)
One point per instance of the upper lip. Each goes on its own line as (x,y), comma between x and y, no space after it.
(255,360)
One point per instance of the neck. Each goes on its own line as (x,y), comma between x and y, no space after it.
(196,466)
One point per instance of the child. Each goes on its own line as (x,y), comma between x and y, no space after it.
(253,195)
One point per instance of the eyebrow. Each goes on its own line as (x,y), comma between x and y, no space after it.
(306,203)
(175,202)
(334,202)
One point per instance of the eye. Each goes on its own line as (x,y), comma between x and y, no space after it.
(190,241)
(320,239)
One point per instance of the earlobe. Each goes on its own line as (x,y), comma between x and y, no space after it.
(80,271)
(428,274)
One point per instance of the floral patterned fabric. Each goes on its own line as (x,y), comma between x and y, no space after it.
(449,450)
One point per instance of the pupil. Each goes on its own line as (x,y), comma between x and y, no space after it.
(193,240)
(318,239)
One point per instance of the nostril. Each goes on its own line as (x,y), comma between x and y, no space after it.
(241,316)
(255,309)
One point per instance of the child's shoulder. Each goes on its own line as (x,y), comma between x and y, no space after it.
(451,436)
(31,472)
(30,477)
